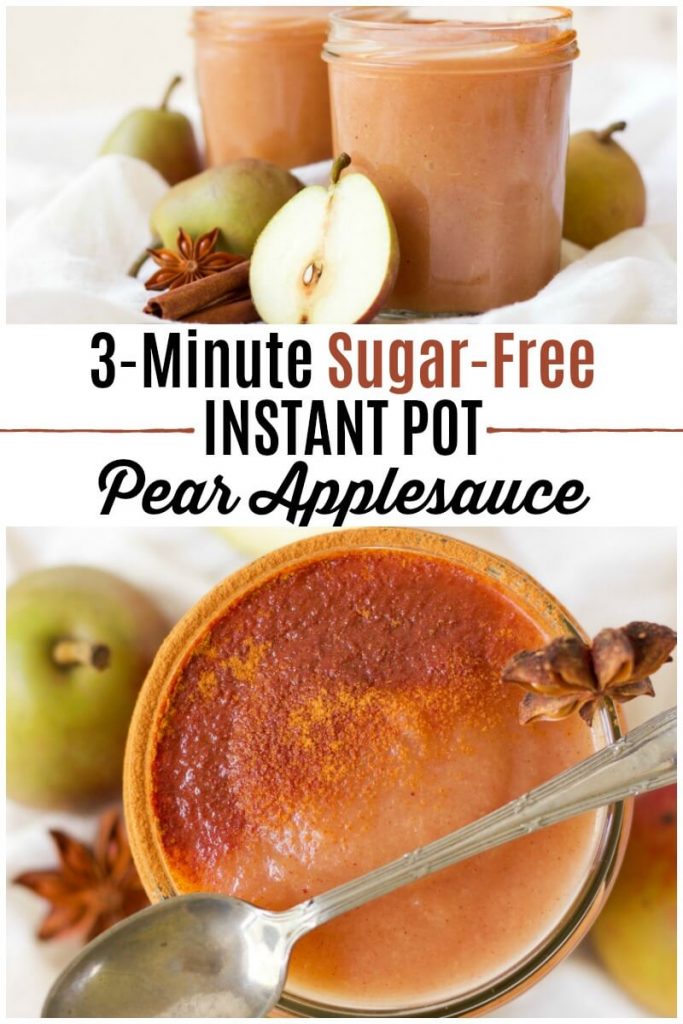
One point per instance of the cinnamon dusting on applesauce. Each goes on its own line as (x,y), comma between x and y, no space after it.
(323,685)
(207,684)
(245,666)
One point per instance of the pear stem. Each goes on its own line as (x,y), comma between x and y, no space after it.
(607,133)
(69,653)
(172,86)
(138,263)
(340,164)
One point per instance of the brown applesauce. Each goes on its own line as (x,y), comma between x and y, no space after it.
(462,123)
(335,716)
(263,84)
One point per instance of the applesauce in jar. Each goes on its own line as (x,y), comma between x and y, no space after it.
(462,123)
(263,84)
(336,704)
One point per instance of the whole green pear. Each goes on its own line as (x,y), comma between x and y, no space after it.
(239,198)
(161,137)
(605,192)
(79,644)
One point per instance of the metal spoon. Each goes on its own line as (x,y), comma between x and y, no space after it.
(215,956)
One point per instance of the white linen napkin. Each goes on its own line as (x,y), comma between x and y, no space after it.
(70,256)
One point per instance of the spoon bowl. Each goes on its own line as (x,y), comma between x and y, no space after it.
(191,956)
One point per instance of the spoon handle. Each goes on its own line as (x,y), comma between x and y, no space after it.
(644,759)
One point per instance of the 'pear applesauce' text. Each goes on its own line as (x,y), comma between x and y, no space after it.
(356,396)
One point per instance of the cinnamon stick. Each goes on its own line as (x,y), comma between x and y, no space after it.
(181,303)
(237,311)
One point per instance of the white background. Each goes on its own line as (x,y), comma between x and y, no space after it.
(633,479)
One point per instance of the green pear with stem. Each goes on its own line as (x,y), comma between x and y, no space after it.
(605,192)
(161,137)
(330,255)
(238,198)
(79,644)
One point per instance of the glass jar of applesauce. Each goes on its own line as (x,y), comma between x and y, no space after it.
(263,84)
(462,122)
(337,703)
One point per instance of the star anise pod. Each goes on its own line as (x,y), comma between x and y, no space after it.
(189,262)
(569,675)
(93,887)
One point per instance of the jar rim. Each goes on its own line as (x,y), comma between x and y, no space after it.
(296,22)
(514,36)
(542,17)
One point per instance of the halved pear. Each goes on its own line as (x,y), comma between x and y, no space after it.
(329,255)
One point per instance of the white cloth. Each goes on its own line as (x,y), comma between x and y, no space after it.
(70,257)
(76,225)
(604,577)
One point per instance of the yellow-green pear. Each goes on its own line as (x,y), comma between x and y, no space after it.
(605,192)
(239,198)
(635,935)
(161,137)
(79,643)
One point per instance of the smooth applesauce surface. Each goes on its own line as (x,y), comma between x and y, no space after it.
(340,714)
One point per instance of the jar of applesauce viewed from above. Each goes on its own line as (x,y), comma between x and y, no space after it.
(335,705)
(462,122)
(262,83)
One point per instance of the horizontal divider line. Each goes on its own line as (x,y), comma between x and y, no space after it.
(584,430)
(97,430)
